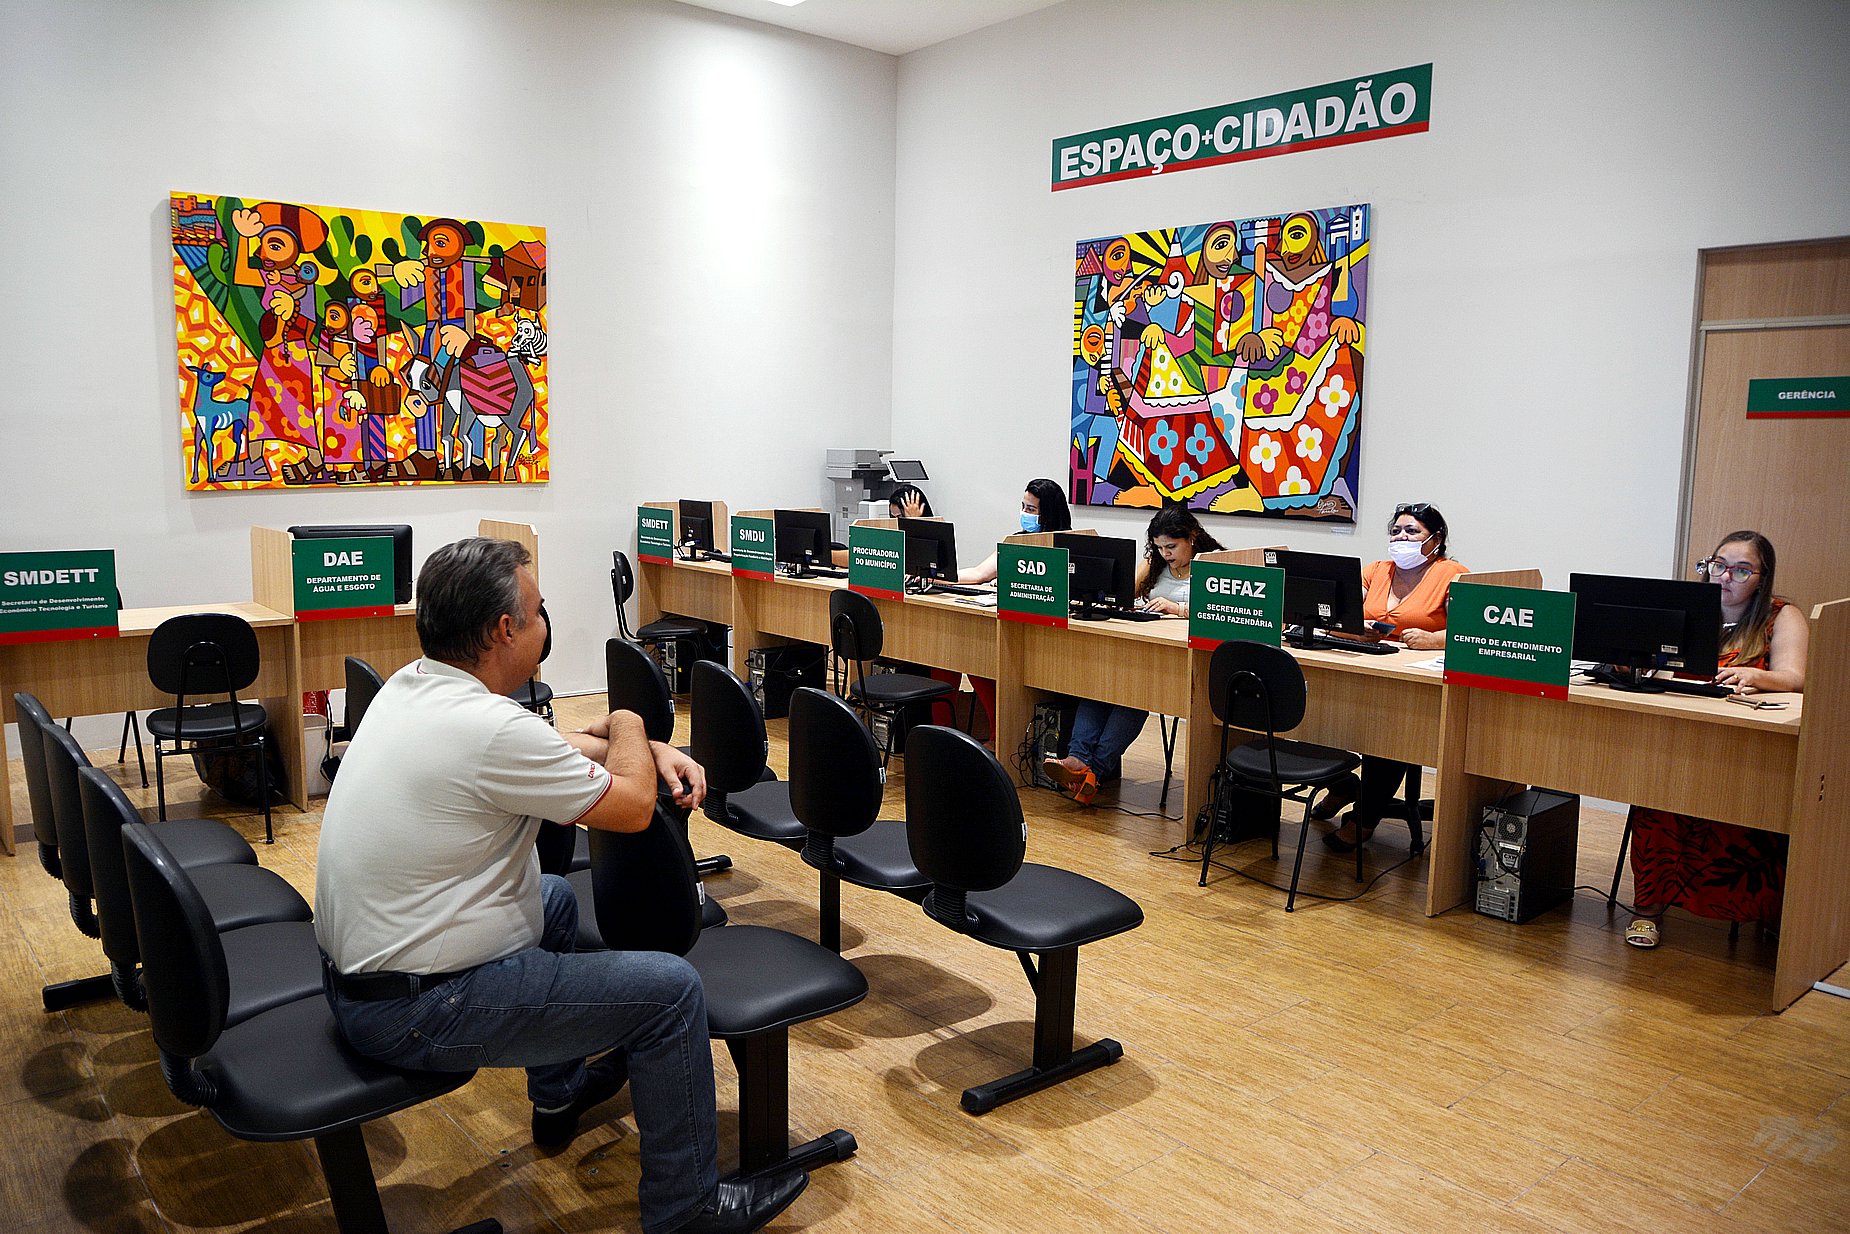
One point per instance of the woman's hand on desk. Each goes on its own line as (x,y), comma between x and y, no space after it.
(1423,640)
(1168,608)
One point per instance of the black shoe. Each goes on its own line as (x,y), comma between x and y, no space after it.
(741,1207)
(1340,793)
(604,1079)
(1363,834)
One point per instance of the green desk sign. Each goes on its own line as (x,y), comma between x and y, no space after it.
(754,547)
(342,578)
(877,562)
(655,534)
(1798,398)
(1031,584)
(1228,602)
(1515,639)
(54,597)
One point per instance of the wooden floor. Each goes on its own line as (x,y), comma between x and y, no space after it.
(1349,1067)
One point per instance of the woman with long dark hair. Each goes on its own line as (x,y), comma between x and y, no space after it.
(1102,732)
(1707,868)
(1043,508)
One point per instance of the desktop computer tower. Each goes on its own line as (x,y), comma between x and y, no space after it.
(775,673)
(1526,851)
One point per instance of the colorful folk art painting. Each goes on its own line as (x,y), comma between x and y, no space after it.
(1219,365)
(323,347)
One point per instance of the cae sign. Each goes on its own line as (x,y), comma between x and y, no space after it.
(1514,639)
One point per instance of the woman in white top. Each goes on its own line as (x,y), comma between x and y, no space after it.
(1103,731)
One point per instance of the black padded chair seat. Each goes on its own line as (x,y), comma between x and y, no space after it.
(879,858)
(533,695)
(666,628)
(200,842)
(759,980)
(1044,908)
(1299,762)
(269,965)
(239,896)
(763,812)
(207,722)
(897,689)
(315,1085)
(590,938)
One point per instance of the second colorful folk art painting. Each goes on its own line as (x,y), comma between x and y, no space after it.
(1219,365)
(321,346)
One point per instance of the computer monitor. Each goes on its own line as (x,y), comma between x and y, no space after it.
(1322,592)
(1101,574)
(696,528)
(931,549)
(398,533)
(906,470)
(802,538)
(1641,624)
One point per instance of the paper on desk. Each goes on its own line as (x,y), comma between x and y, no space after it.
(1436,664)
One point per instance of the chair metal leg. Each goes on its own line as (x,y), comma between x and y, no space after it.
(1055,1059)
(160,782)
(763,1063)
(263,779)
(1297,867)
(1618,869)
(1412,799)
(830,913)
(1170,726)
(131,724)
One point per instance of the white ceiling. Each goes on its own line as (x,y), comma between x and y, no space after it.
(892,26)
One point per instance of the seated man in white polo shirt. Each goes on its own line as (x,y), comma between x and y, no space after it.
(446,948)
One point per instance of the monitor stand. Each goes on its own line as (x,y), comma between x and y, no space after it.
(1630,679)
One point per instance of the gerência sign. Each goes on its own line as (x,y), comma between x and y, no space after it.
(1359,109)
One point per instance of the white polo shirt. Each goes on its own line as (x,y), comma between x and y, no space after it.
(426,861)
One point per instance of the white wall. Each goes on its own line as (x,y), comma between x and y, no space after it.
(718,199)
(1534,258)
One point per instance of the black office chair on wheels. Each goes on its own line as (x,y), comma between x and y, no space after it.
(665,629)
(285,1073)
(965,830)
(835,792)
(204,654)
(758,981)
(857,635)
(1261,689)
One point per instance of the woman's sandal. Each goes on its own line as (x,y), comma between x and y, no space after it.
(1082,785)
(1339,794)
(1642,933)
(1363,834)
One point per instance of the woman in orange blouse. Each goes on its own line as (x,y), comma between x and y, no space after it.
(1407,591)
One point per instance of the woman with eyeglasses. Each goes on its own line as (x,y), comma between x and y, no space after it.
(1404,598)
(1706,868)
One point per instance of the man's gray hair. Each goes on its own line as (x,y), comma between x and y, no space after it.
(463,590)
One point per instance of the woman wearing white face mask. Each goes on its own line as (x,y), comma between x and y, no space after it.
(1407,591)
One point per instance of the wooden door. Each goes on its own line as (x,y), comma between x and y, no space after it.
(1775,312)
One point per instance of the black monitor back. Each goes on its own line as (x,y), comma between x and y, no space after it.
(1089,583)
(802,537)
(398,533)
(697,525)
(935,554)
(1323,591)
(1647,623)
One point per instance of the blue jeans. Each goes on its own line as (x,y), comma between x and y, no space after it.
(548,1009)
(1102,732)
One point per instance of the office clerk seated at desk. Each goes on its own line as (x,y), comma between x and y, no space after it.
(906,501)
(1102,732)
(1706,868)
(446,949)
(1043,508)
(1404,597)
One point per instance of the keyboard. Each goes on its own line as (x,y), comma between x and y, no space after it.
(1703,689)
(717,556)
(828,572)
(1323,642)
(958,589)
(1138,614)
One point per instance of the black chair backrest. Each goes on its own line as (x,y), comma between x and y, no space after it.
(33,721)
(634,682)
(835,783)
(363,686)
(855,629)
(107,810)
(622,579)
(728,729)
(1256,687)
(546,650)
(203,654)
(644,888)
(182,961)
(64,758)
(963,815)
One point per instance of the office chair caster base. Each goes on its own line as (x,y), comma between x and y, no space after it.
(982,1098)
(62,995)
(825,1149)
(718,863)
